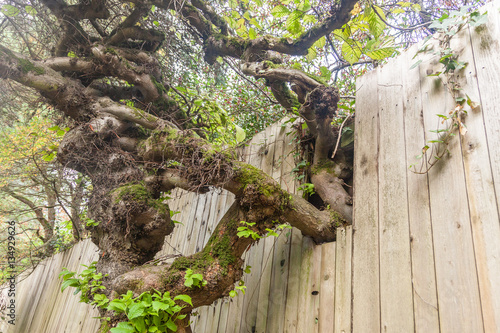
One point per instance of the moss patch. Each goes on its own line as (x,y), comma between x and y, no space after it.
(337,219)
(327,165)
(27,66)
(138,192)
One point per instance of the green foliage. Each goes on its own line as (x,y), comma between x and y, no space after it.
(247,232)
(88,282)
(88,221)
(9,10)
(307,188)
(449,24)
(196,280)
(148,312)
(240,287)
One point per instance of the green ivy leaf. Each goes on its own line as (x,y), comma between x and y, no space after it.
(375,24)
(9,10)
(240,134)
(139,324)
(49,157)
(123,327)
(304,6)
(351,51)
(135,311)
(188,282)
(117,305)
(30,11)
(252,34)
(309,19)
(70,283)
(320,42)
(311,54)
(280,11)
(171,325)
(293,22)
(184,298)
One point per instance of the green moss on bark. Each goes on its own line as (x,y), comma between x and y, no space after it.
(27,66)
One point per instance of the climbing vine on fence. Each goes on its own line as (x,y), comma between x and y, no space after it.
(448,26)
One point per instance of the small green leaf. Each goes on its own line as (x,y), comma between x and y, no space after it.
(171,325)
(320,42)
(70,283)
(416,64)
(49,157)
(280,11)
(240,134)
(10,11)
(123,327)
(30,11)
(252,34)
(311,54)
(188,282)
(117,305)
(184,298)
(135,311)
(232,293)
(351,51)
(293,24)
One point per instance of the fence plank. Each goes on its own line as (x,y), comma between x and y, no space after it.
(343,290)
(307,320)
(326,319)
(250,301)
(365,259)
(396,299)
(281,255)
(457,285)
(479,145)
(264,286)
(422,250)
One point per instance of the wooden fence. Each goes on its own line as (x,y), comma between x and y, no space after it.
(423,254)
(426,248)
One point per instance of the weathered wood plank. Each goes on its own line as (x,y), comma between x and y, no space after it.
(198,227)
(456,277)
(309,290)
(365,256)
(326,319)
(267,150)
(343,270)
(279,276)
(250,301)
(479,145)
(422,249)
(396,298)
(292,297)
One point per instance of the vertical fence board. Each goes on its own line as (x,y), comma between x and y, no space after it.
(457,285)
(326,318)
(251,298)
(396,299)
(281,255)
(479,145)
(308,305)
(422,249)
(365,259)
(343,287)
